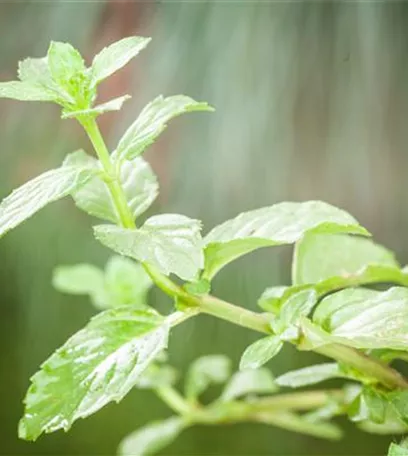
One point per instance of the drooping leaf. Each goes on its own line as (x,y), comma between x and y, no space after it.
(115,56)
(365,318)
(283,223)
(170,242)
(151,438)
(26,200)
(319,257)
(65,64)
(254,381)
(397,450)
(26,91)
(97,365)
(205,371)
(260,352)
(391,425)
(152,121)
(138,181)
(112,105)
(309,375)
(296,423)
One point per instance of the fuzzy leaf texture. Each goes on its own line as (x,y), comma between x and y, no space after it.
(205,371)
(260,352)
(97,365)
(366,319)
(170,242)
(152,121)
(397,450)
(309,375)
(242,383)
(283,223)
(151,438)
(26,200)
(138,181)
(115,56)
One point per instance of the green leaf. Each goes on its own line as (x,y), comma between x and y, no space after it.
(170,242)
(392,425)
(283,223)
(115,56)
(81,279)
(364,318)
(293,309)
(309,375)
(136,177)
(369,405)
(152,121)
(260,352)
(123,283)
(151,438)
(254,381)
(156,376)
(65,64)
(126,283)
(25,201)
(396,450)
(319,257)
(35,70)
(399,400)
(205,371)
(296,423)
(112,105)
(97,365)
(26,91)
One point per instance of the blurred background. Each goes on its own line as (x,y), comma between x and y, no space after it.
(312,102)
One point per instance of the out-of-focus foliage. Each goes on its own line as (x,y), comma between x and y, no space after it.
(311,103)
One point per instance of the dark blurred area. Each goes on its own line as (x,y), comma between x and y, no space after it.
(311,103)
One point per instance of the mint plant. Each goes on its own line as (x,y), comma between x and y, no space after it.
(348,299)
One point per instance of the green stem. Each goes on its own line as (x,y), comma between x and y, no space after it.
(217,307)
(118,196)
(174,400)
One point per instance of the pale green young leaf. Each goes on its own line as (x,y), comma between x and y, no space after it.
(309,375)
(156,376)
(126,283)
(123,283)
(50,186)
(399,400)
(319,257)
(397,450)
(253,381)
(296,423)
(97,365)
(283,223)
(136,177)
(115,56)
(293,309)
(152,121)
(112,105)
(65,64)
(35,70)
(369,405)
(81,279)
(170,242)
(260,352)
(205,371)
(151,438)
(391,425)
(366,319)
(26,91)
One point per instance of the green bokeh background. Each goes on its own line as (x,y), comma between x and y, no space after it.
(311,102)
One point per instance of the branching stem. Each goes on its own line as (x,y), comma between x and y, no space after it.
(211,305)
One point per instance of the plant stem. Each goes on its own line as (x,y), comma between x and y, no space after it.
(173,399)
(118,196)
(217,307)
